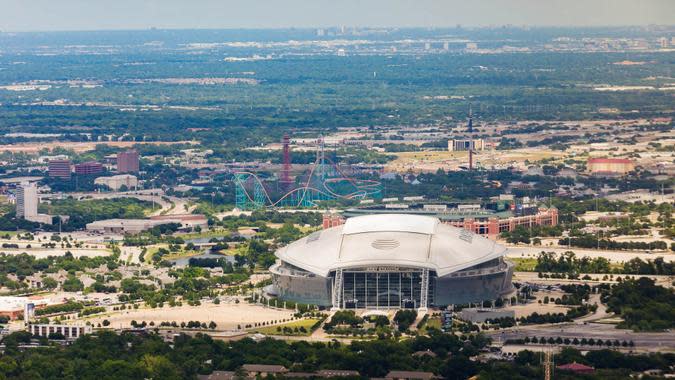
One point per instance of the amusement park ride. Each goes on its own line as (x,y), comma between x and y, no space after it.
(325,181)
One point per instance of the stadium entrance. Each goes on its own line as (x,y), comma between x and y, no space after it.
(382,288)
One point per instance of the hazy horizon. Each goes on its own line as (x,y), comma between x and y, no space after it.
(80,15)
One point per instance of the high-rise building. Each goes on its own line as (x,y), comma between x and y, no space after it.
(663,42)
(88,168)
(26,200)
(59,168)
(128,162)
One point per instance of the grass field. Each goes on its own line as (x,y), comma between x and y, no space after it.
(432,322)
(274,330)
(218,233)
(524,264)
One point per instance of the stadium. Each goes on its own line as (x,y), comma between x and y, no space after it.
(389,262)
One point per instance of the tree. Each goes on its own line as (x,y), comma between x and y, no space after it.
(72,284)
(459,367)
(159,367)
(49,283)
(405,318)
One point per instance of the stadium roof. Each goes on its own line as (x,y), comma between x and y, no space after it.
(390,240)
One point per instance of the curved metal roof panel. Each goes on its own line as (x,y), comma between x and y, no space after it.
(390,223)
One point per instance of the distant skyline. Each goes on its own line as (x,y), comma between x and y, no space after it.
(68,15)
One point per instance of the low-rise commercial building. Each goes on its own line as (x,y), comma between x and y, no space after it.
(124,226)
(478,315)
(13,307)
(610,166)
(186,221)
(117,181)
(410,375)
(68,331)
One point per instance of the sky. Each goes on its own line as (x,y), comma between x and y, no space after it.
(55,15)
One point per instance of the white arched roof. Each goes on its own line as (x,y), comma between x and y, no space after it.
(391,240)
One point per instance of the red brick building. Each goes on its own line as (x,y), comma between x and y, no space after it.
(59,168)
(88,168)
(128,162)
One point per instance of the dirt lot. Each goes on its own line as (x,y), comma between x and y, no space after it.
(432,161)
(77,147)
(226,315)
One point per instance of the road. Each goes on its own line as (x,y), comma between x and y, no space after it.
(168,205)
(643,341)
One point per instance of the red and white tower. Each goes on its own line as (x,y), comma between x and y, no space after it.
(286,180)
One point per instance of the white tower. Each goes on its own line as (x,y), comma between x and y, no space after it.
(26,200)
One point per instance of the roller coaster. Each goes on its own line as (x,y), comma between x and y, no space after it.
(324,182)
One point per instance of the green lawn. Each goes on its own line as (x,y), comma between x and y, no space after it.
(524,265)
(432,322)
(273,330)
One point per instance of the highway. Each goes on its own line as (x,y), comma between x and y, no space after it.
(664,341)
(173,206)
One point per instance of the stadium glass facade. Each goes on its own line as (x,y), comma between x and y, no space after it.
(382,289)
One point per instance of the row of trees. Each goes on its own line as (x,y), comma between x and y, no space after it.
(569,263)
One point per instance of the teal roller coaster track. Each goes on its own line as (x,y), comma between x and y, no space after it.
(324,182)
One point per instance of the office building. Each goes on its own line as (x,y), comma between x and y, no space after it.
(88,168)
(128,162)
(26,200)
(59,168)
(27,204)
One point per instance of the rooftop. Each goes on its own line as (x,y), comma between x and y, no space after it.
(390,240)
(609,161)
(390,223)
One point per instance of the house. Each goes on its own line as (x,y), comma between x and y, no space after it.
(217,375)
(576,368)
(263,370)
(330,373)
(410,375)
